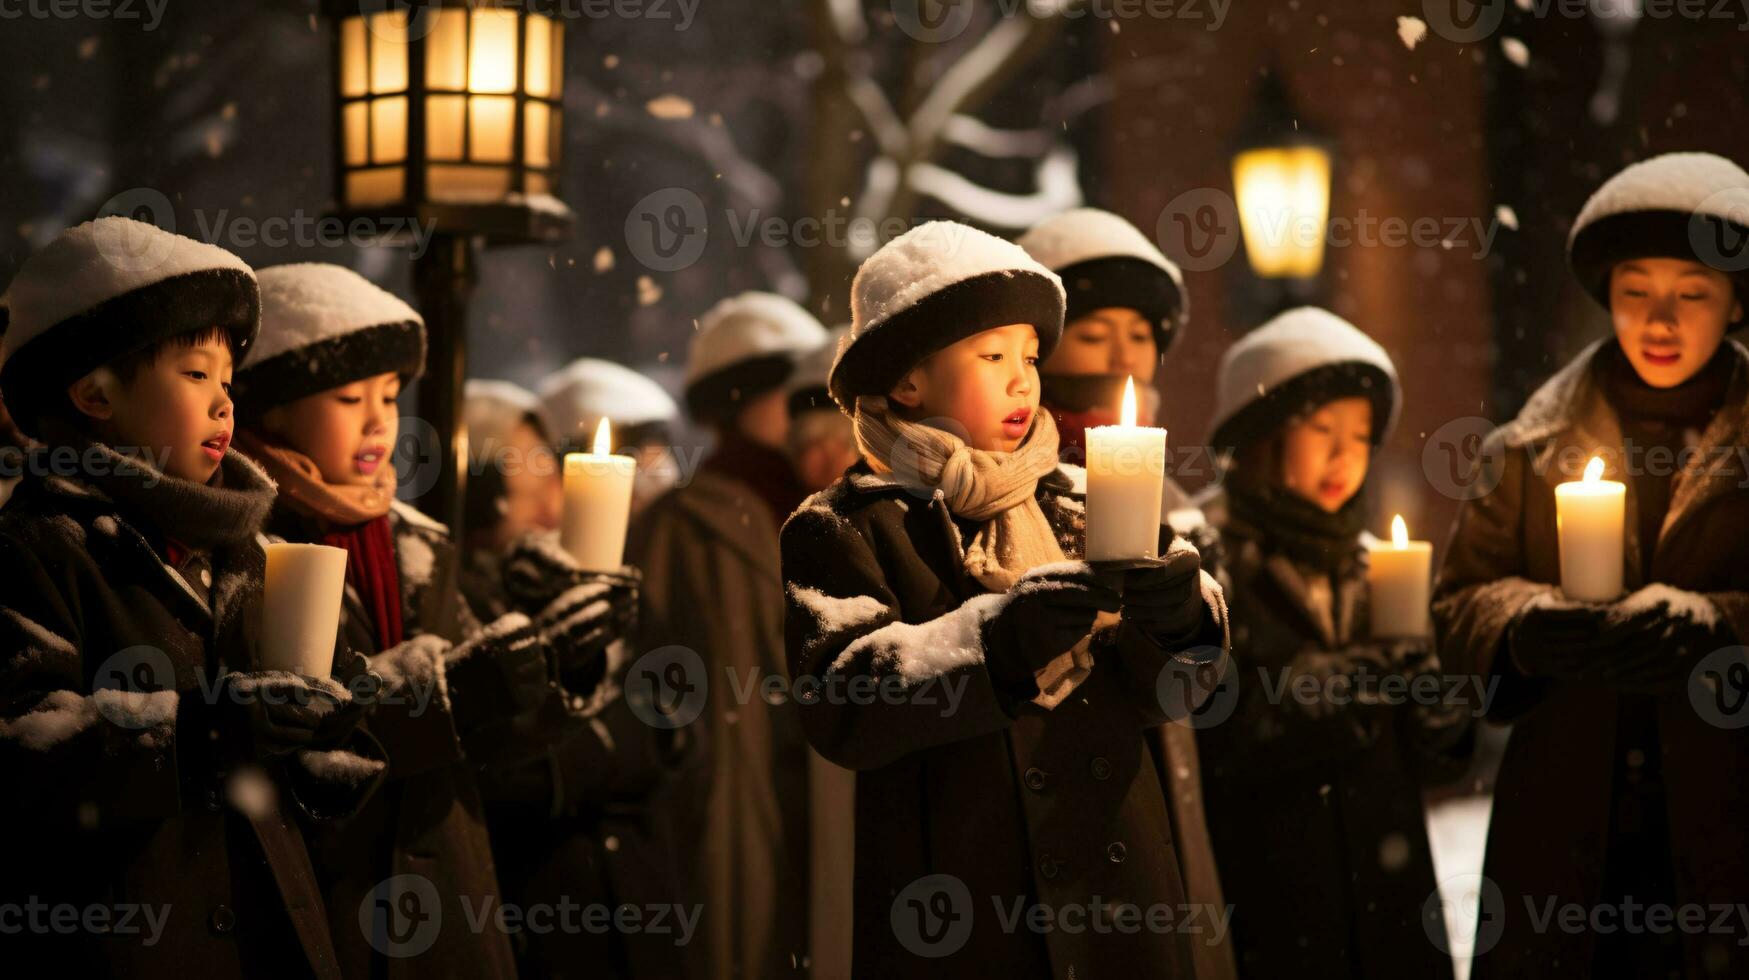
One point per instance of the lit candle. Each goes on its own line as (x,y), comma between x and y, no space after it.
(300,607)
(1397,579)
(1589,519)
(598,504)
(1126,472)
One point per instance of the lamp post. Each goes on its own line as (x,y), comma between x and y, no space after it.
(448,115)
(1281,184)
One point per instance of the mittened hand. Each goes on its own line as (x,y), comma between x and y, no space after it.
(278,712)
(1047,612)
(537,571)
(1554,639)
(1165,600)
(579,624)
(497,673)
(1650,640)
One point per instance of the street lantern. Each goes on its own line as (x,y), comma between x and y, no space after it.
(1281,184)
(448,114)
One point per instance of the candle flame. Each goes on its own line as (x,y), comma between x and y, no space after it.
(1594,470)
(603,439)
(1129,401)
(1399,533)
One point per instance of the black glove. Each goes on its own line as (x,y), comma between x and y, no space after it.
(1164,600)
(1047,612)
(497,673)
(578,626)
(1650,641)
(352,671)
(1556,640)
(266,714)
(538,572)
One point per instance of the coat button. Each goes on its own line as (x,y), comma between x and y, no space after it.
(222,920)
(1116,852)
(1035,779)
(1101,768)
(206,577)
(212,801)
(1047,866)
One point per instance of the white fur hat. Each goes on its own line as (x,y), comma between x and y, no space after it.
(1677,205)
(1297,361)
(578,396)
(1104,260)
(745,345)
(109,288)
(934,285)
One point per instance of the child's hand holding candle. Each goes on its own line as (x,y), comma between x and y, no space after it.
(1589,520)
(598,504)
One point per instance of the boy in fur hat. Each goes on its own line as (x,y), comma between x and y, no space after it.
(320,390)
(940,574)
(1626,777)
(135,722)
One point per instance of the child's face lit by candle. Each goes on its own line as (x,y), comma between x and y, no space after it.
(987,383)
(347,431)
(1670,316)
(1324,455)
(176,406)
(1109,340)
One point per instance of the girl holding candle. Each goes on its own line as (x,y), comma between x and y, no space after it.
(319,388)
(1618,784)
(946,562)
(1314,781)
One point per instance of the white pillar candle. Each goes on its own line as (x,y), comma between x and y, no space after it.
(1397,577)
(300,607)
(598,504)
(1126,472)
(1590,517)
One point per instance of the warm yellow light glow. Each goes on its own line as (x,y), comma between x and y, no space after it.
(492,52)
(1594,470)
(1128,415)
(603,439)
(1399,533)
(1283,194)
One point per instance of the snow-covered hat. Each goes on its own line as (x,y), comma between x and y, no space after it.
(1103,261)
(109,288)
(931,287)
(578,396)
(1303,358)
(1677,205)
(324,326)
(807,389)
(746,345)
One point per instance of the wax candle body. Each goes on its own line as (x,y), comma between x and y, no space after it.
(598,505)
(1589,516)
(1397,580)
(1126,473)
(300,607)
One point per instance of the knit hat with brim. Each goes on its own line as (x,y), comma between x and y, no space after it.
(746,346)
(1691,206)
(932,287)
(1291,365)
(324,326)
(1104,261)
(575,398)
(109,288)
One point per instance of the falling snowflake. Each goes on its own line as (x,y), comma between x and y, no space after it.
(1515,51)
(669,107)
(1506,216)
(1411,31)
(603,259)
(649,294)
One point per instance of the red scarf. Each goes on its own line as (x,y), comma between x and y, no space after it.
(370,567)
(1072,431)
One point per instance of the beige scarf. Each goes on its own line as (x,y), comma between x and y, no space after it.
(999,489)
(301,484)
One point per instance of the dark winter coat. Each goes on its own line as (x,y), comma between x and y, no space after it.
(965,816)
(1555,792)
(708,551)
(573,818)
(111,803)
(1315,808)
(427,819)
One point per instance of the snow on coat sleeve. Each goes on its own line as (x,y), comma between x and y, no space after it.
(68,751)
(413,718)
(1481,587)
(872,688)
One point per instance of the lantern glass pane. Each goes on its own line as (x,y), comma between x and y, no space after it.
(535,137)
(557,86)
(1283,194)
(446,52)
(538,184)
(356,119)
(375,188)
(444,126)
(471,185)
(388,130)
(491,128)
(352,61)
(492,51)
(388,51)
(537,70)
